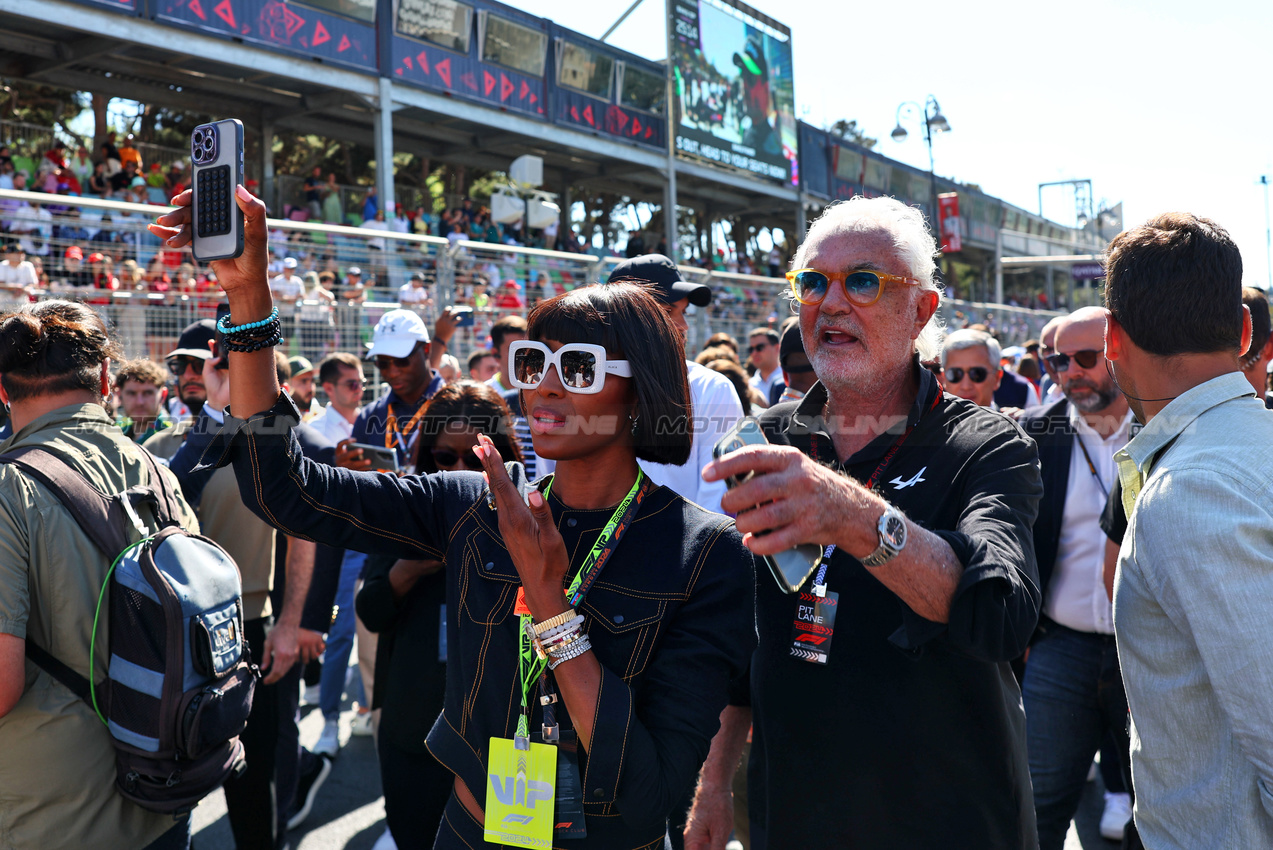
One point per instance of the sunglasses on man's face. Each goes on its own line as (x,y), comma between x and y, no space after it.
(1086,358)
(976,374)
(581,366)
(178,365)
(862,287)
(758,347)
(447,459)
(384,362)
(353,384)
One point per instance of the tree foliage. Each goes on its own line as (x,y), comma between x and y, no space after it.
(849,131)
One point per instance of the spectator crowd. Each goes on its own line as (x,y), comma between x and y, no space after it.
(932,586)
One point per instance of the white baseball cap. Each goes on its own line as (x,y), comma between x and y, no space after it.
(397,333)
(289,263)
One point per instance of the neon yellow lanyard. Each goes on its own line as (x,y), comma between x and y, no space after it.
(529,666)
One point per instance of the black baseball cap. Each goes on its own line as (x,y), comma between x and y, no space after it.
(194,340)
(660,271)
(791,343)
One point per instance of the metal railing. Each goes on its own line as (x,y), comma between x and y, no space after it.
(149,292)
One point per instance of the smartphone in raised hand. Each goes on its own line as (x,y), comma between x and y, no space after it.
(216,161)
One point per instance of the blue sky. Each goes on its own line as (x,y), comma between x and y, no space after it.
(1163,105)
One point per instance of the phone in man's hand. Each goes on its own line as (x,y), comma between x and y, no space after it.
(791,568)
(216,162)
(383,459)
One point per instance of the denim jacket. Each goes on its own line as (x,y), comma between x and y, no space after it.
(671,617)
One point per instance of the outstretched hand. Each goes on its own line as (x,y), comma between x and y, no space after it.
(530,535)
(246,270)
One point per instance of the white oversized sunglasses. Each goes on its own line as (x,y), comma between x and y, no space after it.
(582,367)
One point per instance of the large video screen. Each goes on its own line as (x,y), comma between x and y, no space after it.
(733,87)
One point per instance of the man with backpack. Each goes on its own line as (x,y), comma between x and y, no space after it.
(58,773)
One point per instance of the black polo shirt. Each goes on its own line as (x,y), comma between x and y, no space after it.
(912,735)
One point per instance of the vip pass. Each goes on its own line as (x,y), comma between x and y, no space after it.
(252,336)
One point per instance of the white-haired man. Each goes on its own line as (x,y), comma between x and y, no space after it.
(970,365)
(884,710)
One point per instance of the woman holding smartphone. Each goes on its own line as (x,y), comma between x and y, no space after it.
(596,619)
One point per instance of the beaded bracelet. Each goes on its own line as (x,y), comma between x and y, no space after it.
(223,324)
(573,622)
(575,650)
(266,329)
(245,348)
(554,621)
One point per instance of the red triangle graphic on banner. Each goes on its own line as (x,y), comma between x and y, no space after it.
(398,71)
(574,112)
(422,59)
(406,60)
(444,71)
(469,80)
(621,118)
(197,8)
(345,44)
(587,114)
(636,126)
(533,98)
(488,83)
(506,87)
(525,91)
(649,131)
(291,20)
(320,34)
(226,13)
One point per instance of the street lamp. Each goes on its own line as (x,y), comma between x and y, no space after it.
(934,122)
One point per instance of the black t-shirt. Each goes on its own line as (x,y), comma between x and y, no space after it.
(314,188)
(912,735)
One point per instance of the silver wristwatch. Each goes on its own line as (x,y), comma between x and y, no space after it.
(892,530)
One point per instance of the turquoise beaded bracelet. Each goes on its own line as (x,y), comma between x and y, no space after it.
(223,324)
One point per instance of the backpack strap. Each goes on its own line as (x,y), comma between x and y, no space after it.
(73,681)
(168,508)
(103,518)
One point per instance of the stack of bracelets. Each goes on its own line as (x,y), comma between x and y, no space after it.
(253,336)
(560,638)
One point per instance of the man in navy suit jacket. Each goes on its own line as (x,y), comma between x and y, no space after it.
(1072,688)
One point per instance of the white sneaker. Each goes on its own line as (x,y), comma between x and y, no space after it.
(1118,813)
(328,742)
(361,724)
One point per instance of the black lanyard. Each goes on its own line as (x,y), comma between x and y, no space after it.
(1091,466)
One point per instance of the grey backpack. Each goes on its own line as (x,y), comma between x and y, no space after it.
(178,688)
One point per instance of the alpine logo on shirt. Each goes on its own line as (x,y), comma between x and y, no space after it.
(918,477)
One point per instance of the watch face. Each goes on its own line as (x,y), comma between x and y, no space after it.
(895,531)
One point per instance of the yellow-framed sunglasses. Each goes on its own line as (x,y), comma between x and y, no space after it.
(862,287)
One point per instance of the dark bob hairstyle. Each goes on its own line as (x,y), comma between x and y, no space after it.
(630,324)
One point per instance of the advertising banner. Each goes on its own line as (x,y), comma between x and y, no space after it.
(434,68)
(292,27)
(589,113)
(733,88)
(951,229)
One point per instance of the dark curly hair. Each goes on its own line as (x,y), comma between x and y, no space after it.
(53,347)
